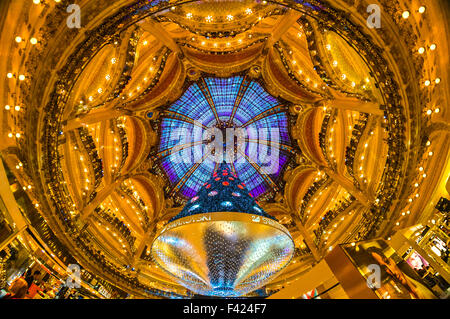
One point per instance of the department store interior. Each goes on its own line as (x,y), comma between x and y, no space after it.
(224,149)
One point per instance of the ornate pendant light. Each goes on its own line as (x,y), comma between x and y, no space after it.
(222,243)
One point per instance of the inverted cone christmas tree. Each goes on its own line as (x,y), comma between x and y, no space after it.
(223,243)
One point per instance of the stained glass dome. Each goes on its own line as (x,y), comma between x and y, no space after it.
(223,243)
(235,104)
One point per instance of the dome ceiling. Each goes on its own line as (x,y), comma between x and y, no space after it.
(95,136)
(224,119)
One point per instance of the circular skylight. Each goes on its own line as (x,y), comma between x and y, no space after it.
(231,120)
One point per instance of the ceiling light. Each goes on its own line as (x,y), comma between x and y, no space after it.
(429,112)
(21,77)
(421,9)
(436,110)
(18,39)
(427,82)
(17,135)
(432,47)
(9,75)
(405,14)
(33,41)
(17,108)
(421,50)
(7,107)
(437,80)
(188,15)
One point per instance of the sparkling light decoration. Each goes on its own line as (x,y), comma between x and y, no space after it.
(222,243)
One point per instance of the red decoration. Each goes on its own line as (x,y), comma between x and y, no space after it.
(231,178)
(217,179)
(194,199)
(208,186)
(241,187)
(225,183)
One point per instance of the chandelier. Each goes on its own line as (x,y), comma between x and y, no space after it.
(223,243)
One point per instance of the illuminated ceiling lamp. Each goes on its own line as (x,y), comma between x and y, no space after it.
(222,243)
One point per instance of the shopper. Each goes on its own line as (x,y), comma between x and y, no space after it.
(17,289)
